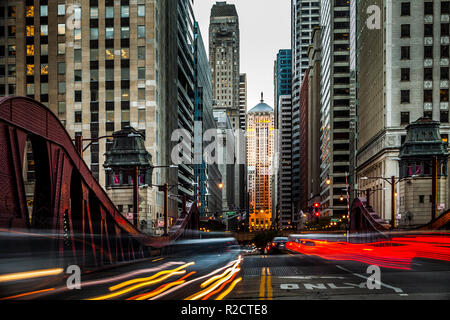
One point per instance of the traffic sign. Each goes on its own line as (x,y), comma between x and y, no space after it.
(231,213)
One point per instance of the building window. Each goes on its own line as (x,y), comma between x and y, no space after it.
(61,87)
(428,74)
(93,53)
(404,96)
(12,51)
(405,74)
(406,9)
(421,199)
(94,34)
(93,13)
(44,68)
(61,48)
(78,117)
(125,53)
(428,96)
(44,49)
(78,95)
(44,30)
(444,95)
(11,31)
(109,12)
(109,54)
(11,11)
(404,118)
(109,95)
(406,53)
(141,31)
(444,51)
(141,10)
(428,8)
(61,107)
(29,31)
(61,29)
(61,68)
(141,53)
(61,9)
(428,52)
(30,50)
(124,11)
(29,11)
(444,116)
(77,34)
(445,7)
(445,29)
(77,75)
(141,73)
(405,30)
(125,32)
(30,88)
(77,55)
(44,11)
(428,30)
(109,33)
(141,94)
(444,73)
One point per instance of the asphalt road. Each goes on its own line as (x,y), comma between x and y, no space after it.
(289,276)
(299,277)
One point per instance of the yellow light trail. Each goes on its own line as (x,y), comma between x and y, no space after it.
(230,288)
(162,288)
(194,280)
(138,286)
(220,289)
(212,287)
(30,274)
(129,282)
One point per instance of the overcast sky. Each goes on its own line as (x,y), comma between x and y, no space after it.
(264,29)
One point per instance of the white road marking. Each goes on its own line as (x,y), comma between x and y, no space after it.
(397,290)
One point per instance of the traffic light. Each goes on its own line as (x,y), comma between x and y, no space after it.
(316,209)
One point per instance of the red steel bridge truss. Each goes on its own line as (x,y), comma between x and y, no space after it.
(71,215)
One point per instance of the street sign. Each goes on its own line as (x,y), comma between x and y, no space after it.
(231,213)
(334,220)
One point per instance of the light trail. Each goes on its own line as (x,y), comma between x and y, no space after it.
(126,283)
(27,294)
(162,288)
(194,280)
(30,274)
(230,288)
(138,286)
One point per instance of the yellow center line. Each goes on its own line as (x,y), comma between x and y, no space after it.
(262,285)
(269,285)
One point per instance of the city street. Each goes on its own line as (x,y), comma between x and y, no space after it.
(300,277)
(212,276)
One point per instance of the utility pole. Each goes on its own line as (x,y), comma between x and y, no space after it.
(393,218)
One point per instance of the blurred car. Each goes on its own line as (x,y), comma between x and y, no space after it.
(278,245)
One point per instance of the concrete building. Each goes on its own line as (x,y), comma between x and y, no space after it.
(335,105)
(224,58)
(305,15)
(207,175)
(403,75)
(314,129)
(260,150)
(225,158)
(98,65)
(284,157)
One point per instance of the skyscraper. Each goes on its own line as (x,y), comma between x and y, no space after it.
(243,101)
(260,150)
(305,15)
(97,65)
(224,58)
(335,105)
(403,75)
